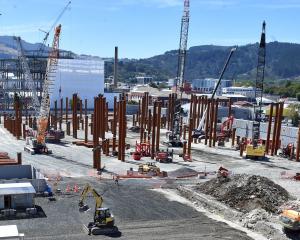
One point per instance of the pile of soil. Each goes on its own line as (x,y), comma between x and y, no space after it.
(246,192)
(182,172)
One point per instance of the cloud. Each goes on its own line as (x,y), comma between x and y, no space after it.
(157,3)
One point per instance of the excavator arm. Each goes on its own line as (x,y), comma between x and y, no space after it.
(88,189)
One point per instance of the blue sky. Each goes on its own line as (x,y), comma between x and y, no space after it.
(144,28)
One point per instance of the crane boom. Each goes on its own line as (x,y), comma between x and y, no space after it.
(201,124)
(42,47)
(259,83)
(49,79)
(184,32)
(29,83)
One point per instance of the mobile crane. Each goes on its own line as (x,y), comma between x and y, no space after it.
(174,136)
(199,131)
(29,83)
(256,150)
(104,222)
(38,144)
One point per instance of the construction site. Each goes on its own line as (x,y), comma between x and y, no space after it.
(140,165)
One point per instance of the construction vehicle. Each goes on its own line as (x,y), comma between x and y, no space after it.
(222,172)
(256,150)
(226,128)
(174,138)
(149,169)
(199,132)
(164,157)
(104,222)
(38,145)
(290,220)
(288,151)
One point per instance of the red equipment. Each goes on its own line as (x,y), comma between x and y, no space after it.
(223,172)
(141,150)
(163,157)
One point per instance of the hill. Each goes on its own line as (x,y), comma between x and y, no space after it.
(282,62)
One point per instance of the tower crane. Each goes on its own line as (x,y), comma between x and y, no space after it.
(174,136)
(38,145)
(29,83)
(255,150)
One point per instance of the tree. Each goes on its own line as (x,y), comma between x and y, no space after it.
(298,96)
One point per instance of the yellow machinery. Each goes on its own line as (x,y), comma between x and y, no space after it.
(255,152)
(149,168)
(290,219)
(103,219)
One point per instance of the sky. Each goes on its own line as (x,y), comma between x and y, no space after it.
(144,28)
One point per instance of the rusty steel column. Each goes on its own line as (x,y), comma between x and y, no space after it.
(114,126)
(86,128)
(275,129)
(215,122)
(120,130)
(54,124)
(190,139)
(208,103)
(61,113)
(106,117)
(233,137)
(212,113)
(67,109)
(298,145)
(278,131)
(153,130)
(269,129)
(80,110)
(194,115)
(158,125)
(74,115)
(197,121)
(169,112)
(149,123)
(96,145)
(24,131)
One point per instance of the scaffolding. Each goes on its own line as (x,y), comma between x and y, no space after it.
(12,79)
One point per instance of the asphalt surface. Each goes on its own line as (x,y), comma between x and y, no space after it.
(140,213)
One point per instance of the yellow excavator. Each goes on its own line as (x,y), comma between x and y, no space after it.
(290,220)
(103,219)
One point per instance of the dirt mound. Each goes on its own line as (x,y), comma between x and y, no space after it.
(182,172)
(246,192)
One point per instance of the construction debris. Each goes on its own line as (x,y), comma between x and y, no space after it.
(246,192)
(253,217)
(183,172)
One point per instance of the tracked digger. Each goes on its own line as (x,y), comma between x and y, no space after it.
(104,222)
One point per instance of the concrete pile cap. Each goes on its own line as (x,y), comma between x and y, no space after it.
(246,192)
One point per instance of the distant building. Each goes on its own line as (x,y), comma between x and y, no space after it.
(207,85)
(248,92)
(171,82)
(144,79)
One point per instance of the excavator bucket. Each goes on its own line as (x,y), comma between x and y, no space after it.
(84,208)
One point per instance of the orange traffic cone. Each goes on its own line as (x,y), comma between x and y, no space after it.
(76,189)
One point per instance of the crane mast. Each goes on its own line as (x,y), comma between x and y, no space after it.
(49,79)
(259,83)
(174,137)
(29,83)
(184,32)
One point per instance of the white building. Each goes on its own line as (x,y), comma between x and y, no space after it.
(16,195)
(248,92)
(84,77)
(144,79)
(207,85)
